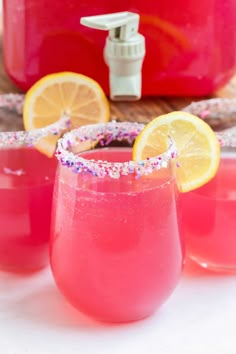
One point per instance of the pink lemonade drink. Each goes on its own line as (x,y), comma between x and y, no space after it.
(26,187)
(116,253)
(209,218)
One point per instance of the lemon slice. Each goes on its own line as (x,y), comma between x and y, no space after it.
(63,94)
(197,147)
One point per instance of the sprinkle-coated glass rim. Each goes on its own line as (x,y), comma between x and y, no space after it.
(227,138)
(219,113)
(14,139)
(105,133)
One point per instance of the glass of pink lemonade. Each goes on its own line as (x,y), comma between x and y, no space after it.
(116,253)
(209,215)
(26,187)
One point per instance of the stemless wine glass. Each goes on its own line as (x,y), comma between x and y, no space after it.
(116,253)
(209,212)
(26,187)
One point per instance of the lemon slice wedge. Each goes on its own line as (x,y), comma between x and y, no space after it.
(63,94)
(197,147)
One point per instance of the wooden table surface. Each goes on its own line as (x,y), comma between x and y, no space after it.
(141,111)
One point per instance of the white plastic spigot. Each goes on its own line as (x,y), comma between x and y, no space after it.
(124,52)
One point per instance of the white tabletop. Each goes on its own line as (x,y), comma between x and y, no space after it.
(199,318)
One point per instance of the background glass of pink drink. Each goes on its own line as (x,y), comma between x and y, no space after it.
(209,217)
(116,252)
(26,187)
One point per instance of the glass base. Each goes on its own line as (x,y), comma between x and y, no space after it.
(214,267)
(113,320)
(22,270)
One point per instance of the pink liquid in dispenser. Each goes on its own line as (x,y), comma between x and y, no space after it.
(190,45)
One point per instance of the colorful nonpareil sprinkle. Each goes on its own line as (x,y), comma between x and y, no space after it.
(74,142)
(29,138)
(219,113)
(12,101)
(227,138)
